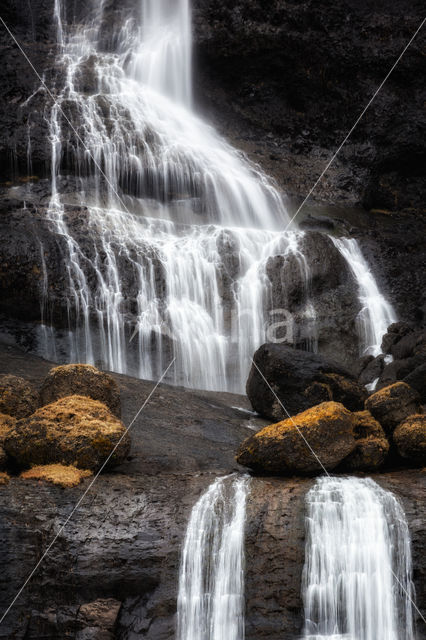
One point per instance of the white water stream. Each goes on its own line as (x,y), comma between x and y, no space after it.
(211,578)
(376,313)
(357,575)
(179,226)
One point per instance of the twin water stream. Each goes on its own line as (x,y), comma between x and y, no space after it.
(193,222)
(357,576)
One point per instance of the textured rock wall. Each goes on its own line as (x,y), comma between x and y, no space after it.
(124,542)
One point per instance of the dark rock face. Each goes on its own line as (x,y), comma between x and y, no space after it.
(300,380)
(303,64)
(319,275)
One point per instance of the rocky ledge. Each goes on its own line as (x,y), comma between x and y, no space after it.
(113,570)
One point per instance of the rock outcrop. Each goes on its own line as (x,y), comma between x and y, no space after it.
(391,405)
(18,398)
(300,380)
(83,380)
(74,430)
(403,359)
(410,439)
(318,438)
(372,446)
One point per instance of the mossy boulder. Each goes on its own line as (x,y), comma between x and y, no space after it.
(410,438)
(392,404)
(74,430)
(372,446)
(83,380)
(59,474)
(18,398)
(7,423)
(282,448)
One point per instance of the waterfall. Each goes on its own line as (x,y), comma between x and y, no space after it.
(211,578)
(357,574)
(376,313)
(167,228)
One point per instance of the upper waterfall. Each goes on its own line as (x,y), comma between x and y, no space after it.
(179,227)
(163,58)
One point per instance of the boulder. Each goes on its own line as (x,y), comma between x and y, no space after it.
(7,423)
(4,478)
(83,380)
(74,430)
(417,380)
(410,438)
(102,614)
(300,379)
(286,447)
(18,398)
(394,334)
(372,446)
(62,475)
(392,404)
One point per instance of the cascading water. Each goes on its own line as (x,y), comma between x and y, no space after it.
(178,226)
(376,313)
(211,579)
(357,575)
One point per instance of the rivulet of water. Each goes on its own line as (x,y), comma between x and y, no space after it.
(211,577)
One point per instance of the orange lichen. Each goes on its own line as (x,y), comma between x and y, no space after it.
(4,479)
(329,411)
(59,474)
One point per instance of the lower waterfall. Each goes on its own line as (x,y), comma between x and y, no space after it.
(211,579)
(357,575)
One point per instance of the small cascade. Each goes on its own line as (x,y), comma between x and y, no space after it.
(211,579)
(357,575)
(376,313)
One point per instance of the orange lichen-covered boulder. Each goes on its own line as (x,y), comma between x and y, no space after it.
(18,398)
(7,423)
(286,447)
(410,438)
(83,380)
(392,404)
(372,446)
(74,430)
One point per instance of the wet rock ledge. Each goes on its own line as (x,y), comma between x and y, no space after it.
(113,570)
